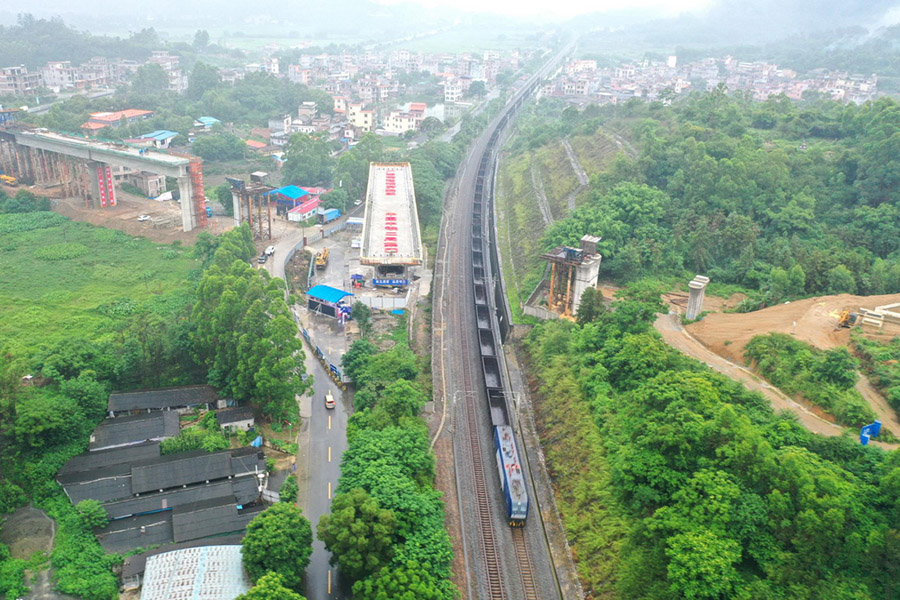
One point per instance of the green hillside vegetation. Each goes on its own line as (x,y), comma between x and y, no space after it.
(824,377)
(744,192)
(676,482)
(881,362)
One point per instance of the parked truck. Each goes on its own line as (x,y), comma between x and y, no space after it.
(329,215)
(8,180)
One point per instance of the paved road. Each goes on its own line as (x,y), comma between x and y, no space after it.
(323,435)
(318,460)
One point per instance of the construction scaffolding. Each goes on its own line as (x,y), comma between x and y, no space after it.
(198,192)
(572,270)
(251,198)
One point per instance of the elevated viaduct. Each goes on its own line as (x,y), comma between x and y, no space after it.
(82,167)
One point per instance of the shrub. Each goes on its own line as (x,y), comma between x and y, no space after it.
(289,489)
(62,251)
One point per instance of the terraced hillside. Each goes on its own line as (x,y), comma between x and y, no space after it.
(537,187)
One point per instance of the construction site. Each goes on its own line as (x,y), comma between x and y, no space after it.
(82,174)
(824,322)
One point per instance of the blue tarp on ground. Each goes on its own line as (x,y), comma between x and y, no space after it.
(326,293)
(291,192)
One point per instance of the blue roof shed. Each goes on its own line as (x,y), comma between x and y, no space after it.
(291,192)
(159,135)
(327,293)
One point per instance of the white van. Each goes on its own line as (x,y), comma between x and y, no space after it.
(270,250)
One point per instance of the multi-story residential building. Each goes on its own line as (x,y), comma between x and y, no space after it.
(60,75)
(17,81)
(164,59)
(299,74)
(360,117)
(99,72)
(453,90)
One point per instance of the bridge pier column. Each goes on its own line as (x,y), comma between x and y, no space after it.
(94,182)
(236,204)
(188,218)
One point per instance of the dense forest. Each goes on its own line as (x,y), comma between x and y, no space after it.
(783,200)
(675,482)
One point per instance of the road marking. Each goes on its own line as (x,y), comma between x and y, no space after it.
(329,581)
(329,490)
(329,453)
(329,421)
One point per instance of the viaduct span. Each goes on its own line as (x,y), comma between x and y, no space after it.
(81,167)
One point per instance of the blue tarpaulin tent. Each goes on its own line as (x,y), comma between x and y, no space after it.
(327,293)
(324,298)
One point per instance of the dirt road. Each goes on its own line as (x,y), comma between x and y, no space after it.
(676,336)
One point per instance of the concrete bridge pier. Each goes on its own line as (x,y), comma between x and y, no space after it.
(188,216)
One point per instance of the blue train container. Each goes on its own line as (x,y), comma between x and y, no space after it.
(512,479)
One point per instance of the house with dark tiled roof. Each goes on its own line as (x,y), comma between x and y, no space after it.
(153,499)
(134,429)
(180,399)
(235,418)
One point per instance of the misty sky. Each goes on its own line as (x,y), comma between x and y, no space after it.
(563,8)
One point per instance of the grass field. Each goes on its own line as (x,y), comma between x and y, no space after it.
(63,278)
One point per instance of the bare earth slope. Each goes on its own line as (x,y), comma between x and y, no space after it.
(719,340)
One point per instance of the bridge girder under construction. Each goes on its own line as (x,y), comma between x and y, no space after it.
(82,167)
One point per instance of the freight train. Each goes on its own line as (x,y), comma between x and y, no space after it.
(486,282)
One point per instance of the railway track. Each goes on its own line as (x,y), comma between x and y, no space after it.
(489,551)
(529,587)
(485,520)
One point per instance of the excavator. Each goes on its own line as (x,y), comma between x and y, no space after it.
(847,319)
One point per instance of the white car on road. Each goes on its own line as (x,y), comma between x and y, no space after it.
(143,218)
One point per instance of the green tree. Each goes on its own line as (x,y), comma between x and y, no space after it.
(219,146)
(289,489)
(201,39)
(796,280)
(270,586)
(362,314)
(357,357)
(150,79)
(841,281)
(837,366)
(401,399)
(44,421)
(92,513)
(279,540)
(591,306)
(409,581)
(476,90)
(308,161)
(203,78)
(90,394)
(359,534)
(702,565)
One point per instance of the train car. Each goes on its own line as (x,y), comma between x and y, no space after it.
(512,480)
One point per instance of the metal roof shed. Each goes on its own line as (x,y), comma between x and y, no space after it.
(201,573)
(324,299)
